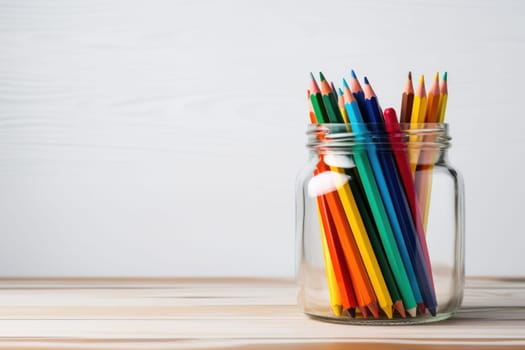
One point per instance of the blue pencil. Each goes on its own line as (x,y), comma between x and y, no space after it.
(398,208)
(370,185)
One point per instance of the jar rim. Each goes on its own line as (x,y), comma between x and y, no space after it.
(341,135)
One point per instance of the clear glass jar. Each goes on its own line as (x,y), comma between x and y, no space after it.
(380,225)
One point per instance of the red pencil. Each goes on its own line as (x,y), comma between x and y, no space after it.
(403,165)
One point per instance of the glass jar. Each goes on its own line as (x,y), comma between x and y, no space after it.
(380,225)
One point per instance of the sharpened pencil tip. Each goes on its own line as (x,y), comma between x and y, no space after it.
(444,76)
(366,80)
(422,79)
(398,305)
(422,308)
(321,76)
(345,84)
(340,91)
(374,309)
(409,75)
(436,77)
(353,74)
(312,76)
(432,311)
(351,311)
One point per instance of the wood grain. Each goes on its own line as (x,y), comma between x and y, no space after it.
(231,313)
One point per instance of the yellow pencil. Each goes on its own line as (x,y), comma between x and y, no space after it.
(335,296)
(365,247)
(418,116)
(341,104)
(443,97)
(424,185)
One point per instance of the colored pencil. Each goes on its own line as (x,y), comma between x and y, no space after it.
(317,101)
(407,100)
(330,102)
(383,176)
(333,289)
(363,288)
(341,104)
(403,165)
(342,274)
(443,96)
(358,229)
(357,91)
(409,231)
(432,110)
(375,240)
(418,117)
(370,187)
(342,200)
(311,112)
(424,177)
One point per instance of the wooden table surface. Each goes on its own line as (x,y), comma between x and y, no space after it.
(232,313)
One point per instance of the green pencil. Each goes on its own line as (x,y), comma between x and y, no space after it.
(375,240)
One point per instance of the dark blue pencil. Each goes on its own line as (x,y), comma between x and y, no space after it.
(397,194)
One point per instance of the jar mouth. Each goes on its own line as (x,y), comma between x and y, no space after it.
(339,136)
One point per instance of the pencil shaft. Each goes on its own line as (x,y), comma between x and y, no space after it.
(364,245)
(403,166)
(371,228)
(377,208)
(362,287)
(341,271)
(333,289)
(377,160)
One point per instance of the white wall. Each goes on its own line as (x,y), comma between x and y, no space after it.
(163,137)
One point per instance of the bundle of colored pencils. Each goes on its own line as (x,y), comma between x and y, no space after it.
(373,225)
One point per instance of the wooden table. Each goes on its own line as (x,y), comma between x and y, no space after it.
(232,313)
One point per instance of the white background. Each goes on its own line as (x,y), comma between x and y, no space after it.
(159,138)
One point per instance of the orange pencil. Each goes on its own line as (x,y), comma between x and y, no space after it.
(311,112)
(363,289)
(342,275)
(431,115)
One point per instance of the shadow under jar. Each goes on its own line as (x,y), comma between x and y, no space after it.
(380,225)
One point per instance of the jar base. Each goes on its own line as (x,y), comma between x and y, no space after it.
(382,321)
